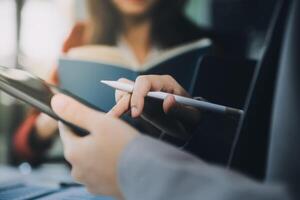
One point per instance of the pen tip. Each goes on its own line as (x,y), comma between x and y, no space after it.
(105,82)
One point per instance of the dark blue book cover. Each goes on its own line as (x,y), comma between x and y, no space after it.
(82,77)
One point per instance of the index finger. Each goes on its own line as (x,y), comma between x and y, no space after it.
(144,84)
(122,106)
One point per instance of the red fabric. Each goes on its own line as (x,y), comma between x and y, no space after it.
(21,137)
(77,37)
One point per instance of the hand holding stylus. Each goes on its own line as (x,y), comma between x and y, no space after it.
(200,104)
(134,101)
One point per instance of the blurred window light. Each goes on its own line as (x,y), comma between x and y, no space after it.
(7,32)
(45,24)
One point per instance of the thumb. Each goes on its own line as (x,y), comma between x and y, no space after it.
(66,135)
(74,112)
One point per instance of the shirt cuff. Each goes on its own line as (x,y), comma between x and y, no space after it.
(130,174)
(141,164)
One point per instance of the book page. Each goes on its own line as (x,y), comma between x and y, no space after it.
(114,55)
(101,54)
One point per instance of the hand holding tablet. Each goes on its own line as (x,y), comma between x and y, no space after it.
(35,92)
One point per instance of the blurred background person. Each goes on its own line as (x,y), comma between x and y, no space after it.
(140,29)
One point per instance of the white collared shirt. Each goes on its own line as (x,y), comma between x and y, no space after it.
(127,51)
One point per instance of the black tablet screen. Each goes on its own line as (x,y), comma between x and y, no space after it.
(32,90)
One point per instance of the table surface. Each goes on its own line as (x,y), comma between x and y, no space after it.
(42,181)
(48,174)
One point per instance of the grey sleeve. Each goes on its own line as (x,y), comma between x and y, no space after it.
(152,170)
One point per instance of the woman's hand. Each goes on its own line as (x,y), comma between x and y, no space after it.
(135,102)
(45,127)
(94,158)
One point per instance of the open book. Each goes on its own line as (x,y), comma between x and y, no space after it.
(81,70)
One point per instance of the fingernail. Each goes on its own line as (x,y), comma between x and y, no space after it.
(134,111)
(58,103)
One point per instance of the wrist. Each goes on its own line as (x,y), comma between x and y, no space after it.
(121,166)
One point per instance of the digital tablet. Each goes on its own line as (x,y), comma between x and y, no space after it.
(35,92)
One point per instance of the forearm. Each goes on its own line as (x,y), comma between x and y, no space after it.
(150,169)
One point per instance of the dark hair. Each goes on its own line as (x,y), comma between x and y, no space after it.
(170,25)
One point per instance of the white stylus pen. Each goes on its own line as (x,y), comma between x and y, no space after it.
(203,105)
